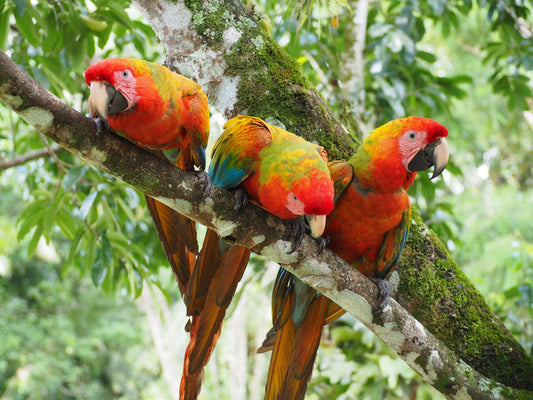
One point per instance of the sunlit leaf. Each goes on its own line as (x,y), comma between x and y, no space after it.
(87,204)
(34,241)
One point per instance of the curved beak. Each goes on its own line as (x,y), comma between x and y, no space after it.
(105,99)
(316,224)
(434,154)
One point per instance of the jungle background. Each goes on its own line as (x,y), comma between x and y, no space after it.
(89,307)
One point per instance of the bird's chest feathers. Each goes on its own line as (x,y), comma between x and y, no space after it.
(360,220)
(374,213)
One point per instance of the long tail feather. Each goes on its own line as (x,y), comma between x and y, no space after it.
(299,314)
(204,269)
(178,237)
(217,289)
(303,355)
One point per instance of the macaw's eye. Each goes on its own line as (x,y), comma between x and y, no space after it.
(412,135)
(294,197)
(126,74)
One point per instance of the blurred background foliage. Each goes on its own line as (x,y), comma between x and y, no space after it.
(89,306)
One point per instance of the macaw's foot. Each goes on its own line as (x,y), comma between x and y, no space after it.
(298,232)
(206,182)
(384,293)
(101,126)
(241,200)
(322,242)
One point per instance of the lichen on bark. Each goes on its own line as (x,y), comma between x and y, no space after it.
(271,84)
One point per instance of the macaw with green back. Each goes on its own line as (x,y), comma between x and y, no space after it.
(282,173)
(367,228)
(158,110)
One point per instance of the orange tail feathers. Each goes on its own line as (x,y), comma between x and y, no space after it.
(178,237)
(211,290)
(295,346)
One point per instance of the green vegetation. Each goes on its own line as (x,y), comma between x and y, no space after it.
(69,325)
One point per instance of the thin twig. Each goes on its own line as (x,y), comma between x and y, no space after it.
(7,163)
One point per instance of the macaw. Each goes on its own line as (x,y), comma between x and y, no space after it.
(159,110)
(282,173)
(367,228)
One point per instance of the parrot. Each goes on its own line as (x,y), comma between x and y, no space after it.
(158,110)
(367,228)
(279,171)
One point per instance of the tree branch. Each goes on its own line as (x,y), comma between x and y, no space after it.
(29,156)
(267,235)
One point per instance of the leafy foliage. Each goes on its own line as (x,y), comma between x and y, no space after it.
(464,63)
(60,337)
(106,226)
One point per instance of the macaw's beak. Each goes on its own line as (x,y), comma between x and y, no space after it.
(105,99)
(435,153)
(316,224)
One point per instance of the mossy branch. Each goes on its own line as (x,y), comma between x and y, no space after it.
(267,235)
(220,44)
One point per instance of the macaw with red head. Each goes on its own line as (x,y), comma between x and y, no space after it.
(367,228)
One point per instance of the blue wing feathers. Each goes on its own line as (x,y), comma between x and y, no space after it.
(224,177)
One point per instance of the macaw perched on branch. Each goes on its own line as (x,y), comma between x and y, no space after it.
(367,228)
(281,172)
(157,109)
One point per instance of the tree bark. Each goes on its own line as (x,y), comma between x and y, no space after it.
(265,234)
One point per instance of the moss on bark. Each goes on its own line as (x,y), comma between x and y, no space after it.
(436,292)
(271,84)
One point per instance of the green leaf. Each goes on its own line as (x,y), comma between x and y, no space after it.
(90,253)
(165,292)
(426,56)
(501,85)
(87,204)
(80,50)
(73,176)
(98,271)
(20,7)
(109,214)
(28,29)
(53,35)
(4,27)
(31,216)
(109,282)
(34,241)
(74,245)
(102,262)
(50,214)
(125,208)
(458,79)
(66,223)
(512,293)
(93,23)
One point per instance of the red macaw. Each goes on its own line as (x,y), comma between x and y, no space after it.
(367,228)
(281,172)
(157,109)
